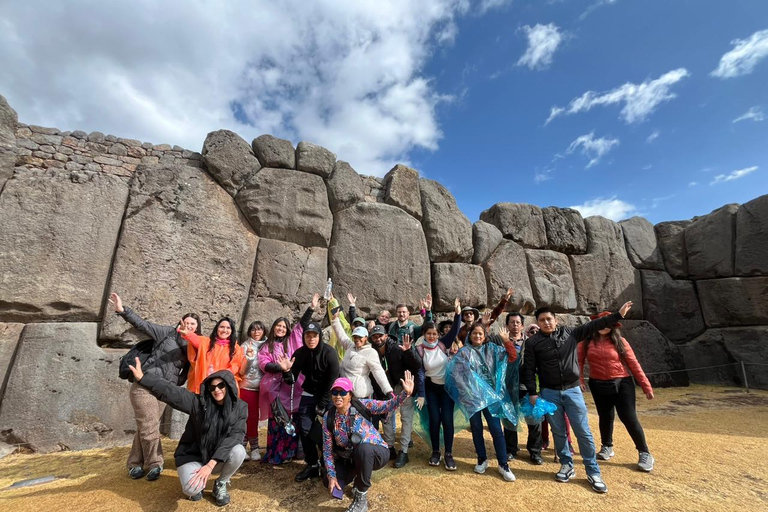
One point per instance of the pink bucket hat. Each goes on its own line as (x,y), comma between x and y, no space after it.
(343,383)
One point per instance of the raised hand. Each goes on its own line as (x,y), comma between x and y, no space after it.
(428,302)
(315,300)
(504,334)
(406,346)
(457,306)
(487,318)
(181,329)
(117,302)
(625,308)
(285,363)
(407,383)
(352,299)
(250,352)
(136,370)
(421,304)
(420,402)
(509,293)
(336,315)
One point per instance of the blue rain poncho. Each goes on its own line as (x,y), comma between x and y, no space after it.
(533,414)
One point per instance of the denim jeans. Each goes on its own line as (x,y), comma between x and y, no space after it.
(494,426)
(440,407)
(571,402)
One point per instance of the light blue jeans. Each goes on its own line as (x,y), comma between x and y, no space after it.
(571,402)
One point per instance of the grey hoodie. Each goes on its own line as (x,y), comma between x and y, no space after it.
(250,371)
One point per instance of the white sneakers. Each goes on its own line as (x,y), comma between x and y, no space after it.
(506,474)
(480,468)
(255,454)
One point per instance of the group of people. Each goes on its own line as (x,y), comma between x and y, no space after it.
(334,402)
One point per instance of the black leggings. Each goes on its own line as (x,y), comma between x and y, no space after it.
(622,400)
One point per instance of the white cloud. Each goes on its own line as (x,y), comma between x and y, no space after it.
(734,175)
(744,56)
(693,184)
(542,176)
(346,75)
(592,148)
(611,208)
(639,100)
(487,5)
(754,113)
(652,137)
(543,41)
(594,6)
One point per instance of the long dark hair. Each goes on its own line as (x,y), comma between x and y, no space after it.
(475,325)
(215,420)
(614,336)
(232,336)
(258,324)
(199,330)
(272,338)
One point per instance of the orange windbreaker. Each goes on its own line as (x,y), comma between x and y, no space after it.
(200,360)
(605,363)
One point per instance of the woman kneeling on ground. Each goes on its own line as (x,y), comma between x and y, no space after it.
(352,447)
(212,440)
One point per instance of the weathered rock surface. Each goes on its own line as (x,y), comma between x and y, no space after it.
(402,189)
(229,159)
(8,122)
(507,268)
(58,231)
(448,231)
(345,187)
(749,344)
(671,238)
(174,423)
(642,248)
(267,310)
(709,243)
(274,152)
(551,279)
(565,230)
(47,403)
(462,280)
(734,301)
(397,271)
(655,353)
(752,238)
(9,339)
(485,238)
(288,206)
(672,306)
(184,247)
(523,223)
(706,351)
(314,159)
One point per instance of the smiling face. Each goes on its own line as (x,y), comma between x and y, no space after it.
(360,341)
(190,324)
(281,329)
(403,314)
(468,317)
(384,317)
(224,330)
(341,402)
(218,389)
(311,340)
(477,336)
(547,322)
(431,335)
(256,333)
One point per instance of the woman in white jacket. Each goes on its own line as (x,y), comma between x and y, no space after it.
(360,361)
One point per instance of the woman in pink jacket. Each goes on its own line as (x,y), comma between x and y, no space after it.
(611,360)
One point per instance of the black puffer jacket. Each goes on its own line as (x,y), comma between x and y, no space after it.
(189,449)
(169,351)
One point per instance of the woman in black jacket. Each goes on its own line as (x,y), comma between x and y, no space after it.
(212,439)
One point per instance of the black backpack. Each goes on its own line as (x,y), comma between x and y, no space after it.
(358,407)
(142,350)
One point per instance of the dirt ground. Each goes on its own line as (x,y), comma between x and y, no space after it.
(708,444)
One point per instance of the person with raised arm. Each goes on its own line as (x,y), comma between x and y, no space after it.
(404,326)
(250,375)
(470,315)
(219,351)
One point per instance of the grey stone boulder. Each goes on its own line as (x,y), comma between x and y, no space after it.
(749,344)
(709,243)
(274,152)
(551,280)
(672,306)
(398,271)
(314,159)
(604,277)
(288,206)
(523,223)
(708,351)
(288,272)
(9,339)
(402,189)
(8,121)
(458,280)
(734,301)
(174,423)
(671,238)
(64,393)
(345,187)
(655,353)
(448,231)
(485,238)
(267,310)
(565,230)
(229,159)
(184,247)
(752,238)
(58,231)
(507,267)
(642,247)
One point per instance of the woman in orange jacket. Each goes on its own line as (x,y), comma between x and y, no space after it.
(208,355)
(611,360)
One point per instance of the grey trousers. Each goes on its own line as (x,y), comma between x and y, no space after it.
(227,469)
(146,450)
(406,423)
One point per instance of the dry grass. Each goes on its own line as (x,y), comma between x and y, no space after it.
(708,444)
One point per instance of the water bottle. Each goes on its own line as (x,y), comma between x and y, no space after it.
(328,287)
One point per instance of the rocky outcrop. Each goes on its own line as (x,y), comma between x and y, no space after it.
(751,234)
(672,306)
(9,339)
(642,247)
(671,238)
(457,280)
(274,152)
(8,122)
(734,301)
(661,360)
(709,244)
(565,230)
(314,159)
(402,189)
(345,187)
(448,231)
(707,360)
(267,310)
(523,223)
(551,280)
(485,238)
(748,344)
(507,268)
(229,159)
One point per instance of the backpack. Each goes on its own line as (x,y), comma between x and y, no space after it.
(142,350)
(359,408)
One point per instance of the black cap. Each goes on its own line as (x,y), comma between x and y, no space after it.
(313,327)
(379,329)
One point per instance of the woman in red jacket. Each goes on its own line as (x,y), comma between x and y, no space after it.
(611,360)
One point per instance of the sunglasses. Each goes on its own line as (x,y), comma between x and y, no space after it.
(214,387)
(339,392)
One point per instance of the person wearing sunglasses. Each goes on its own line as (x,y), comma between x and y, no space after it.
(212,440)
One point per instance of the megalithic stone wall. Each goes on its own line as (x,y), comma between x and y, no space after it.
(252,230)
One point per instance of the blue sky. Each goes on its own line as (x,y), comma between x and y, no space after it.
(459,89)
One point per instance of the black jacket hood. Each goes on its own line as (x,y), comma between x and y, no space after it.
(227,377)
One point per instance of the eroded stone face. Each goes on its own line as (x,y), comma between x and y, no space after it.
(229,159)
(565,230)
(655,353)
(345,187)
(8,122)
(551,280)
(485,238)
(458,280)
(402,190)
(734,301)
(314,159)
(507,268)
(523,223)
(274,152)
(448,231)
(671,237)
(709,244)
(672,306)
(642,246)
(752,238)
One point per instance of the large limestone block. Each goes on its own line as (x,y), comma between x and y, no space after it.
(185,247)
(565,230)
(229,159)
(314,159)
(708,351)
(448,231)
(288,272)
(655,353)
(507,267)
(392,270)
(64,393)
(288,206)
(551,280)
(671,237)
(402,189)
(672,306)
(58,231)
(274,152)
(345,187)
(604,277)
(485,238)
(750,345)
(523,223)
(267,310)
(709,243)
(734,301)
(8,121)
(458,280)
(9,339)
(752,238)
(642,247)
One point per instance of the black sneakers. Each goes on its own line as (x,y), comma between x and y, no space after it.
(434,460)
(450,464)
(308,472)
(136,473)
(220,493)
(566,473)
(154,473)
(402,459)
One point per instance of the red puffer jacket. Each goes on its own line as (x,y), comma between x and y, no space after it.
(605,363)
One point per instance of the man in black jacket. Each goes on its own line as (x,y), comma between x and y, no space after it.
(551,354)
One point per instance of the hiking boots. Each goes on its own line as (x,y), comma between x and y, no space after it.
(450,464)
(645,462)
(596,481)
(506,473)
(566,473)
(481,467)
(392,453)
(605,453)
(360,503)
(308,472)
(136,473)
(400,461)
(154,473)
(220,493)
(537,460)
(434,460)
(196,497)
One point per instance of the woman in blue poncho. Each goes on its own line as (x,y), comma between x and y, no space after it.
(475,379)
